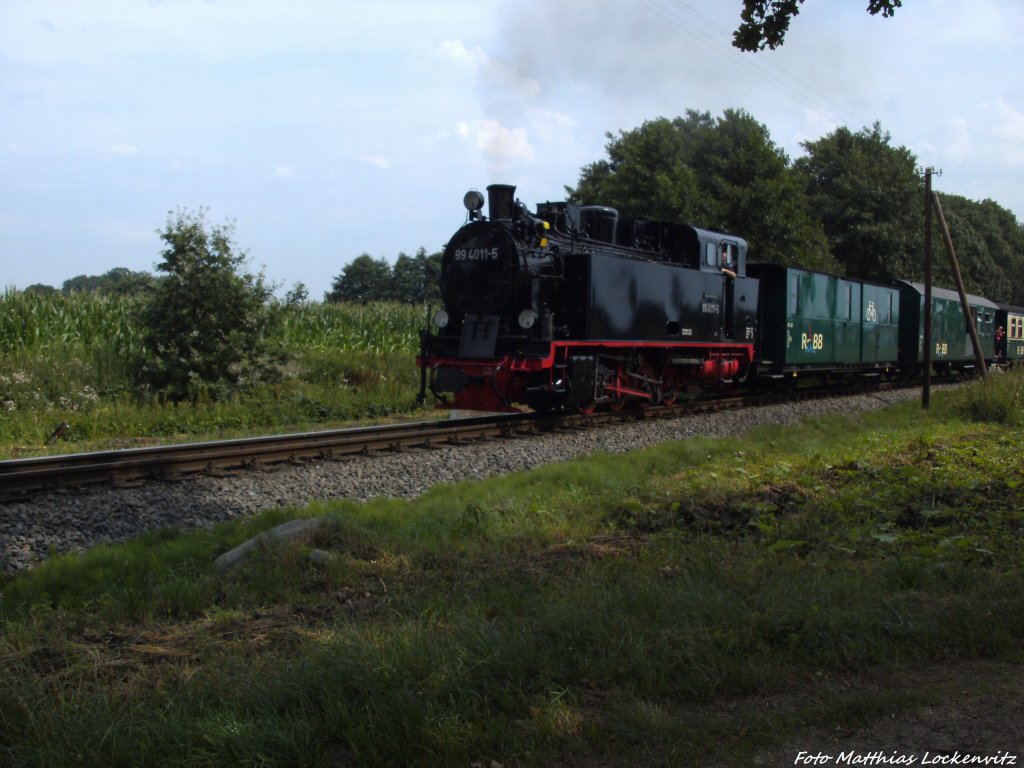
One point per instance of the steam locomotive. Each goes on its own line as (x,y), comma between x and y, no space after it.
(578,307)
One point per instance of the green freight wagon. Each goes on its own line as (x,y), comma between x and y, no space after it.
(952,349)
(811,322)
(1009,334)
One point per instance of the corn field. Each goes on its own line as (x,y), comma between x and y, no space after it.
(378,328)
(34,323)
(74,358)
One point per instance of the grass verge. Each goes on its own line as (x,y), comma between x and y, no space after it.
(691,603)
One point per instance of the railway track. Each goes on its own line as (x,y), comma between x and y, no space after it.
(25,476)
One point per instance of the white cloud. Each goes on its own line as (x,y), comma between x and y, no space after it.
(497,140)
(283,172)
(497,76)
(549,123)
(816,123)
(503,77)
(376,161)
(457,52)
(961,144)
(994,132)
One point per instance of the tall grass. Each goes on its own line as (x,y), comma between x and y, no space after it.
(997,399)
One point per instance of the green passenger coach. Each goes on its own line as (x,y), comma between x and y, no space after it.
(1009,334)
(818,323)
(952,348)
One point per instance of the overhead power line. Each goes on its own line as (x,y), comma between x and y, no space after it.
(710,34)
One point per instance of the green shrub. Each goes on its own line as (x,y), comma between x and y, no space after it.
(998,399)
(207,322)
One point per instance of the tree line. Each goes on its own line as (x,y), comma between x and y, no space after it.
(412,279)
(118,281)
(853,204)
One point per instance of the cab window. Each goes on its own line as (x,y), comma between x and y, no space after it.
(728,255)
(711,255)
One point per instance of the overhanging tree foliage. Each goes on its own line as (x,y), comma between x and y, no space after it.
(207,320)
(764,23)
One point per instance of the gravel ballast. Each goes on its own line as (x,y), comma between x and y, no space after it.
(68,522)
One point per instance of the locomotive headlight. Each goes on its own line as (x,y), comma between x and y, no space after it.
(441,319)
(527,318)
(473,201)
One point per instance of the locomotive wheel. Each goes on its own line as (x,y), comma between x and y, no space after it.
(620,400)
(647,372)
(587,408)
(669,385)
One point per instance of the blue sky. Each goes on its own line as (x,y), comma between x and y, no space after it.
(329,128)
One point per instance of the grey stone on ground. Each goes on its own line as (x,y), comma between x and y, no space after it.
(293,529)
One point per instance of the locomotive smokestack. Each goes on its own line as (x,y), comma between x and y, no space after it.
(500,198)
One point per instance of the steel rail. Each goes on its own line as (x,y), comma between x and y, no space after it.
(20,476)
(69,470)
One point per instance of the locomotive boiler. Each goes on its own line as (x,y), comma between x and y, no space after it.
(578,306)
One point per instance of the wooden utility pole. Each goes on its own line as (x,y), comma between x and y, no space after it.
(926,389)
(979,353)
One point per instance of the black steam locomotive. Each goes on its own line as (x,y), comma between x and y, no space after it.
(576,306)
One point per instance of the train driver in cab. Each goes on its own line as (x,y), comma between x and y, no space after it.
(727,262)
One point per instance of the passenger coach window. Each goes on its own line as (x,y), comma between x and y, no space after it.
(794,294)
(848,301)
